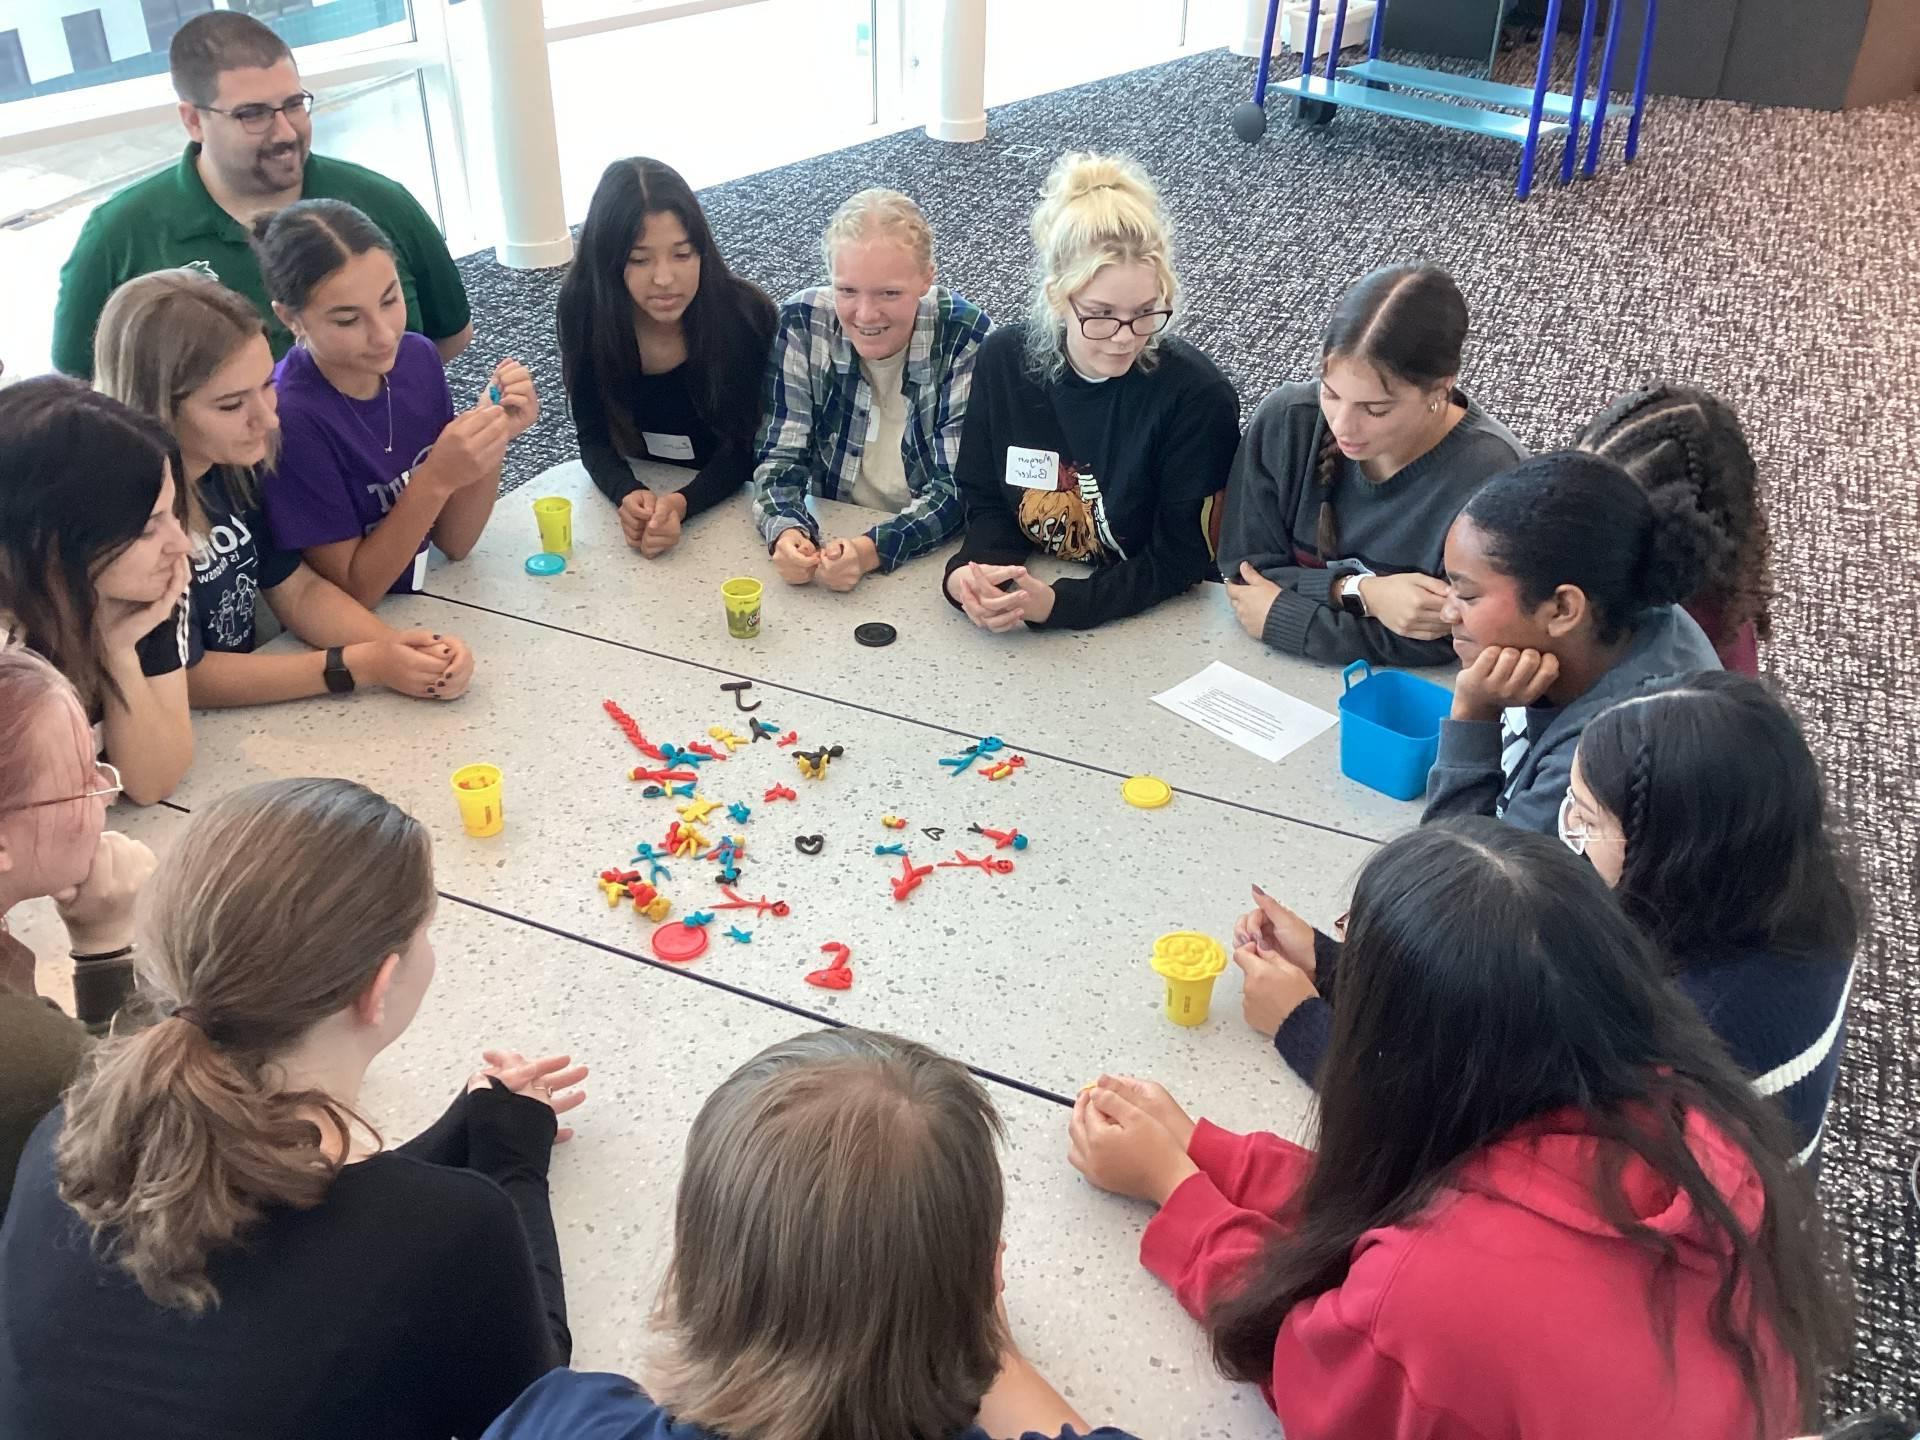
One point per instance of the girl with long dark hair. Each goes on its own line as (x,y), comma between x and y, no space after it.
(1342,491)
(94,566)
(662,349)
(1702,807)
(1564,579)
(1541,1200)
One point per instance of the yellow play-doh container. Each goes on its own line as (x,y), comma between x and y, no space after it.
(742,597)
(555,516)
(477,790)
(1189,962)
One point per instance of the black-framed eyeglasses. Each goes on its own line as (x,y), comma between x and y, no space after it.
(106,781)
(1104,327)
(258,119)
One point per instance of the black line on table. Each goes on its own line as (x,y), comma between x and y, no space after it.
(738,991)
(895,715)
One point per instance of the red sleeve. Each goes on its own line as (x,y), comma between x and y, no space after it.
(1200,1243)
(1257,1171)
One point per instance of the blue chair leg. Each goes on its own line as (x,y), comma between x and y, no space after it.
(1333,45)
(1530,150)
(1266,54)
(1607,56)
(1379,30)
(1640,82)
(1572,153)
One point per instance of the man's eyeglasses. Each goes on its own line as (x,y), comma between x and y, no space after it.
(1105,327)
(106,782)
(258,119)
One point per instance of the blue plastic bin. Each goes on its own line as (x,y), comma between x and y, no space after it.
(1390,729)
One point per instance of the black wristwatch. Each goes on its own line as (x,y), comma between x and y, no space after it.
(339,679)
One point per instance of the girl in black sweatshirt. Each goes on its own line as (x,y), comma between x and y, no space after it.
(1090,434)
(1343,489)
(662,349)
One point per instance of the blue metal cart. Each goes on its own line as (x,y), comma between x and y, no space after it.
(1465,102)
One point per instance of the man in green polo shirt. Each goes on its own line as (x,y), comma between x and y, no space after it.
(251,127)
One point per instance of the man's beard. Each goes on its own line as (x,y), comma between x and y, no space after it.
(262,179)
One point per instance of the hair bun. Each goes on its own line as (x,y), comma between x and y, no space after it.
(1683,547)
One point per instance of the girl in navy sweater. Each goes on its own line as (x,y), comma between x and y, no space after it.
(1091,435)
(1702,807)
(835,1271)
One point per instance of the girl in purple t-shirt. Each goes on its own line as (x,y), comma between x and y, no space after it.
(374,462)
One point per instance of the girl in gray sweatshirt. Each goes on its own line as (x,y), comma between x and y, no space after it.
(1564,582)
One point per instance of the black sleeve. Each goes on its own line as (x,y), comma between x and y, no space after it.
(731,464)
(445,1141)
(1192,465)
(1303,1036)
(606,465)
(992,533)
(727,469)
(487,1341)
(173,644)
(510,1141)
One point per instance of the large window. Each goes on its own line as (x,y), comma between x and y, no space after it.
(718,88)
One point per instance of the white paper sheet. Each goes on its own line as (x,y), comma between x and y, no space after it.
(1249,712)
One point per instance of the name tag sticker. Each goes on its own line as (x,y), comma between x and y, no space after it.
(667,447)
(1033,469)
(418,582)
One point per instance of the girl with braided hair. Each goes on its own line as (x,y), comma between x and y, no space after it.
(1565,579)
(1672,434)
(1342,491)
(1701,805)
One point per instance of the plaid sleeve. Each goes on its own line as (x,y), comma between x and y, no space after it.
(783,454)
(935,514)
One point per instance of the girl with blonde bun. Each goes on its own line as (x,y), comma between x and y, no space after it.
(1091,435)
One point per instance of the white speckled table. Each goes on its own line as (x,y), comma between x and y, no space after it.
(1084,695)
(1037,978)
(1109,1336)
(1040,975)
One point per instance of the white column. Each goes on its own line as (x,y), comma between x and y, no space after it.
(526,152)
(960,106)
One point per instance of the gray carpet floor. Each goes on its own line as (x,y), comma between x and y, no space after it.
(1771,256)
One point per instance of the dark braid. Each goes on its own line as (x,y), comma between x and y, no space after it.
(1326,538)
(1673,435)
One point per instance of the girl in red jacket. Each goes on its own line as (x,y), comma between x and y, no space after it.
(1543,1201)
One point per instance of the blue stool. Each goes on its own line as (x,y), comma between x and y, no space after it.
(1384,88)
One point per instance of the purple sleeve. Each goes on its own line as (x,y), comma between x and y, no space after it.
(307,496)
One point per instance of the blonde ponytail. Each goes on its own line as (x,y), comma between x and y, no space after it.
(275,911)
(1095,211)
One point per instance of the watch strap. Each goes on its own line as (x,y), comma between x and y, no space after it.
(338,677)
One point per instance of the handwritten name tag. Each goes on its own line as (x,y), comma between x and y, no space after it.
(1033,469)
(667,447)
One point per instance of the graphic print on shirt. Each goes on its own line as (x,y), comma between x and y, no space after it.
(386,492)
(1070,521)
(225,562)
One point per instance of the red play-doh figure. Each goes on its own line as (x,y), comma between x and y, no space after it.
(910,877)
(838,975)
